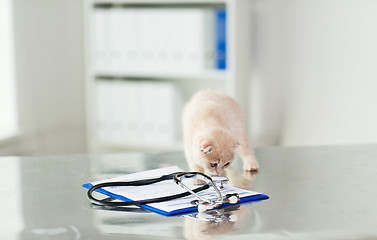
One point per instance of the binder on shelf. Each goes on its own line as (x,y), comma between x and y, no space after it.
(97,40)
(176,207)
(118,107)
(116,43)
(168,115)
(102,110)
(158,40)
(221,54)
(137,112)
(131,113)
(148,110)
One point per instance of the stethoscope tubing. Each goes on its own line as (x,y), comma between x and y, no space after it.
(140,183)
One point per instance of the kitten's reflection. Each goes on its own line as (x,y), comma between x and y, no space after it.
(244,180)
(213,223)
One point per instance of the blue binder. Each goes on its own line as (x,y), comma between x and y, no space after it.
(220,37)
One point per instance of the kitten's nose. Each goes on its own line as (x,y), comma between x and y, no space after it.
(219,171)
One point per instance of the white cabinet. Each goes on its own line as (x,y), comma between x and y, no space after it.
(145,59)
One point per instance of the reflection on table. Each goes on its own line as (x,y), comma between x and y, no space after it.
(315,192)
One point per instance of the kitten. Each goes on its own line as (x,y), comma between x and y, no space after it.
(213,128)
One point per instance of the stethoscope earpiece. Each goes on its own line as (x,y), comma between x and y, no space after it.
(233,199)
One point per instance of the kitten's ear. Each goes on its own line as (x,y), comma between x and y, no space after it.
(206,147)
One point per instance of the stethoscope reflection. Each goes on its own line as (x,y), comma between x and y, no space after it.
(209,224)
(199,225)
(213,223)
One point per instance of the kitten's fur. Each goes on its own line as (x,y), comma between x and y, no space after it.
(213,128)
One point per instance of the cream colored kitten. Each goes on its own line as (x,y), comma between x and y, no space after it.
(213,129)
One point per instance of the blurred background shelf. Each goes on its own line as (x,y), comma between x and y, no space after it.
(161,2)
(114,147)
(207,75)
(303,71)
(145,59)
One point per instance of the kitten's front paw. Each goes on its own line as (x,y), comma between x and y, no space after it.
(251,166)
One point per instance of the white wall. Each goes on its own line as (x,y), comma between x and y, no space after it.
(315,72)
(11,206)
(50,75)
(8,119)
(265,88)
(313,82)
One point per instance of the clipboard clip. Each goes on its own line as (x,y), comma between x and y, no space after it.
(204,204)
(219,181)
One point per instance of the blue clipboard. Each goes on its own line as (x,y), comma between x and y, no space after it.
(175,208)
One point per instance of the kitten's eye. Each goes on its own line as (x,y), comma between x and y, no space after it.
(213,164)
(226,164)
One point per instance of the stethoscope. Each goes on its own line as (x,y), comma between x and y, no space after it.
(203,204)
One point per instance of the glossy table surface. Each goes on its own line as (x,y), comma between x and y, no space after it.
(315,193)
